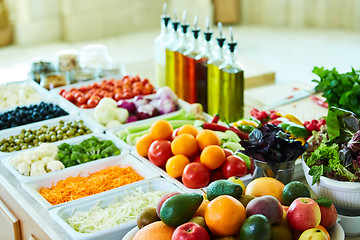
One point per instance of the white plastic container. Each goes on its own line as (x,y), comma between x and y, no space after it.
(93,126)
(77,140)
(33,187)
(60,214)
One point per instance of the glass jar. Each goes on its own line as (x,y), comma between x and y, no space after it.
(80,75)
(53,80)
(93,56)
(39,67)
(67,60)
(112,70)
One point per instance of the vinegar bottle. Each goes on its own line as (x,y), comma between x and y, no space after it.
(213,74)
(160,43)
(231,85)
(189,65)
(170,54)
(182,46)
(201,68)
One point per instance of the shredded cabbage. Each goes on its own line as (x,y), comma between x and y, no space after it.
(118,212)
(17,94)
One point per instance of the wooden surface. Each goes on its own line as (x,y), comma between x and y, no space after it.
(9,224)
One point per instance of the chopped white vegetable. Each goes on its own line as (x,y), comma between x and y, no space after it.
(104,114)
(47,150)
(107,101)
(23,168)
(116,213)
(17,94)
(37,168)
(122,114)
(54,166)
(113,123)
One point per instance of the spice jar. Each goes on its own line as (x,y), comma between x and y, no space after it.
(94,56)
(53,80)
(67,60)
(39,67)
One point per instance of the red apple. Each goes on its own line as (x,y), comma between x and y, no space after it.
(228,152)
(190,231)
(233,166)
(162,200)
(303,213)
(160,152)
(328,216)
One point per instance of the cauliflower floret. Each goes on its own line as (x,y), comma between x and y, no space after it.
(31,157)
(54,166)
(47,150)
(23,168)
(37,168)
(46,160)
(14,161)
(113,123)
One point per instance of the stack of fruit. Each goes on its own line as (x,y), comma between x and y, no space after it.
(190,155)
(229,211)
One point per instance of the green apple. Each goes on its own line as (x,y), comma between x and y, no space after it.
(313,234)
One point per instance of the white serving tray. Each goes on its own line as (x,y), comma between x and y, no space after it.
(93,126)
(77,140)
(33,187)
(60,214)
(246,179)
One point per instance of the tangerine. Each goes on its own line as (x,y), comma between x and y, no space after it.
(161,130)
(207,137)
(143,144)
(188,128)
(212,157)
(265,186)
(224,215)
(155,231)
(184,144)
(176,165)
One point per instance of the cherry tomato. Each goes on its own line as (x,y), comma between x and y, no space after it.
(160,152)
(62,92)
(196,175)
(137,92)
(78,94)
(127,95)
(233,166)
(70,97)
(118,96)
(92,102)
(81,100)
(145,81)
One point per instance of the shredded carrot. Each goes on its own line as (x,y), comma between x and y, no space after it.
(73,188)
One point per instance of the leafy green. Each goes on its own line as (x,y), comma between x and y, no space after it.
(88,150)
(316,172)
(339,89)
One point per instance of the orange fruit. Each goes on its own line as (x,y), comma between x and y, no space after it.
(143,144)
(265,186)
(188,128)
(184,144)
(324,230)
(212,157)
(176,164)
(224,215)
(207,137)
(155,231)
(201,210)
(161,130)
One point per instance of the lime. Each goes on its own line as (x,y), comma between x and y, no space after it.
(256,227)
(293,190)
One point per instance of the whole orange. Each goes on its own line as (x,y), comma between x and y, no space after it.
(224,215)
(188,128)
(184,144)
(207,137)
(176,164)
(212,156)
(265,186)
(161,130)
(155,231)
(143,144)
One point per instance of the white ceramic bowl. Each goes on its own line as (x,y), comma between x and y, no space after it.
(343,194)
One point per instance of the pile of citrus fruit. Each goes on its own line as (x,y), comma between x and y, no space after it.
(189,154)
(266,210)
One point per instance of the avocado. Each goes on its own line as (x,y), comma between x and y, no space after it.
(180,208)
(255,227)
(223,187)
(147,216)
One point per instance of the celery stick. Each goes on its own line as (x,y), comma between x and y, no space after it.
(131,138)
(122,134)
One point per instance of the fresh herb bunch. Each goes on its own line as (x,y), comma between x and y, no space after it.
(88,150)
(340,89)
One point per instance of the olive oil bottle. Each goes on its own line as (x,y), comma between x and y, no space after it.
(182,46)
(160,43)
(231,85)
(189,65)
(170,54)
(213,74)
(201,62)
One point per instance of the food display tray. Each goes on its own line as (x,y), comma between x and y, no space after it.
(246,179)
(33,187)
(93,126)
(60,214)
(77,140)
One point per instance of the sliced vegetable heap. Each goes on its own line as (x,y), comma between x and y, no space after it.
(334,152)
(119,212)
(33,113)
(86,151)
(125,88)
(73,188)
(18,94)
(29,138)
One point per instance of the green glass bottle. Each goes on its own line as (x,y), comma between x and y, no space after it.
(231,85)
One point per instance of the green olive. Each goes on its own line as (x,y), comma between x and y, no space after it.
(53,138)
